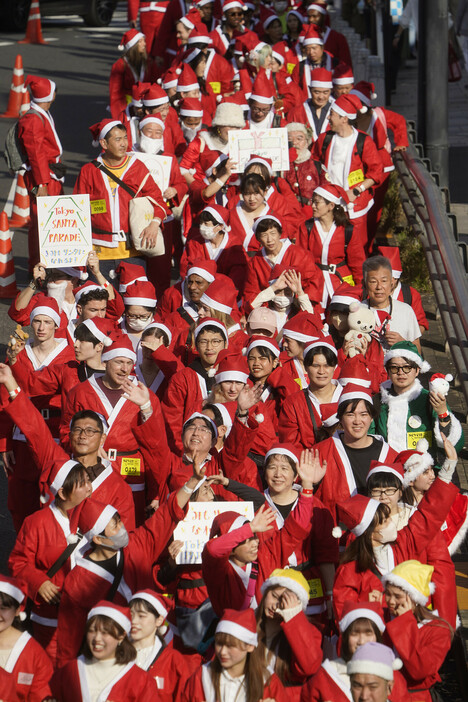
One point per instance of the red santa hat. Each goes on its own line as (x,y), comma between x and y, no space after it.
(205,269)
(355,392)
(226,522)
(190,107)
(52,480)
(356,513)
(332,193)
(208,420)
(220,214)
(93,517)
(42,89)
(365,92)
(102,128)
(343,75)
(120,348)
(257,340)
(231,4)
(220,296)
(415,462)
(120,615)
(187,79)
(211,159)
(361,610)
(303,327)
(242,625)
(154,96)
(12,588)
(278,55)
(328,413)
(137,90)
(344,295)
(103,329)
(393,255)
(321,78)
(151,119)
(393,468)
(286,449)
(348,106)
(267,20)
(129,39)
(326,341)
(162,327)
(262,91)
(319,7)
(79,272)
(199,36)
(295,12)
(232,368)
(355,371)
(227,411)
(264,160)
(47,306)
(312,36)
(169,79)
(187,22)
(158,602)
(84,289)
(211,322)
(140,293)
(262,219)
(128,273)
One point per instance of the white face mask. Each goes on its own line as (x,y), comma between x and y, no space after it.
(190,132)
(208,233)
(137,325)
(388,533)
(57,291)
(151,146)
(281,302)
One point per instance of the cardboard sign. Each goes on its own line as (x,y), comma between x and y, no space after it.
(270,143)
(64,225)
(194,530)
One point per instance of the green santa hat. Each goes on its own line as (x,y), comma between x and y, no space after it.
(406,349)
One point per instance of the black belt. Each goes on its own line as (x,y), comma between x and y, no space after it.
(49,412)
(190,584)
(128,453)
(331,268)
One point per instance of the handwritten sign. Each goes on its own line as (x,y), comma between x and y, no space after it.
(270,143)
(194,530)
(64,223)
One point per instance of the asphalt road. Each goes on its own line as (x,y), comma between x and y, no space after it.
(78,59)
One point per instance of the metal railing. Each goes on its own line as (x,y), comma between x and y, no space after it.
(426,210)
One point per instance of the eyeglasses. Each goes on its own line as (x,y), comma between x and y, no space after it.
(261,110)
(196,427)
(134,317)
(204,343)
(87,431)
(395,369)
(380,492)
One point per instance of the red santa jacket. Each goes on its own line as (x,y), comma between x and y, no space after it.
(131,684)
(218,73)
(199,688)
(40,141)
(295,424)
(228,583)
(122,78)
(114,217)
(361,166)
(31,669)
(168,365)
(302,179)
(337,45)
(230,257)
(168,668)
(339,483)
(7,686)
(303,112)
(408,294)
(89,582)
(170,300)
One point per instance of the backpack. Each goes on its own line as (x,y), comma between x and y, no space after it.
(14,154)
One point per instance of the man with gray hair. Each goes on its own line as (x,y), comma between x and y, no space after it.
(394,320)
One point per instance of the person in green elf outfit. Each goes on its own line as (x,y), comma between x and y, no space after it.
(408,412)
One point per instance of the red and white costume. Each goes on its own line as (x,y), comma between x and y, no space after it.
(199,688)
(122,78)
(230,257)
(295,425)
(151,15)
(31,670)
(168,668)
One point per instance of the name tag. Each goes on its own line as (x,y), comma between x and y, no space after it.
(355,177)
(316,589)
(412,438)
(349,279)
(25,678)
(130,466)
(216,87)
(98,207)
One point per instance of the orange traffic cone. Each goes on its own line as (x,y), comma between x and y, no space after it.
(25,102)
(7,266)
(33,28)
(20,213)
(17,84)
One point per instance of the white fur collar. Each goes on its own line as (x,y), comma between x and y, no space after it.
(408,396)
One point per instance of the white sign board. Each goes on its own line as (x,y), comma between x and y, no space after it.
(270,143)
(64,224)
(159,167)
(194,530)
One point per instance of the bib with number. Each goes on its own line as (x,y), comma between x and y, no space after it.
(98,207)
(130,466)
(216,87)
(355,177)
(316,589)
(412,438)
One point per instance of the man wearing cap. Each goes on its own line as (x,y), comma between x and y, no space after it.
(262,114)
(314,111)
(333,41)
(371,672)
(133,112)
(316,57)
(343,80)
(190,118)
(40,142)
(181,300)
(111,181)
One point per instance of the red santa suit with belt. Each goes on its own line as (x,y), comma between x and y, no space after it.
(131,684)
(339,483)
(151,17)
(303,112)
(230,585)
(31,670)
(353,585)
(199,688)
(89,582)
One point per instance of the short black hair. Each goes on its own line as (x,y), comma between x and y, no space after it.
(350,406)
(92,296)
(83,333)
(120,127)
(207,422)
(87,414)
(253,182)
(264,351)
(157,333)
(214,330)
(266,224)
(330,357)
(75,477)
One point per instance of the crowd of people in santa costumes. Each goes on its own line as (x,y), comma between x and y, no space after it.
(253,345)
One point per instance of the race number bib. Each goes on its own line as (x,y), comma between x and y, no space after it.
(130,466)
(355,177)
(98,207)
(412,438)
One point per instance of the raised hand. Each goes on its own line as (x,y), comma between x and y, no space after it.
(310,470)
(152,342)
(249,396)
(449,449)
(136,393)
(6,375)
(263,519)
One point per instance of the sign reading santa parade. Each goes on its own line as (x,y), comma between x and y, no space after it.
(64,230)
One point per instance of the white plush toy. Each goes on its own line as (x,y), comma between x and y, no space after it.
(361,322)
(440,383)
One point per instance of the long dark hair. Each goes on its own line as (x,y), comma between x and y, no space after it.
(361,549)
(279,645)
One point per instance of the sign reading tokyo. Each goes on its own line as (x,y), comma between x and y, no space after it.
(194,530)
(269,143)
(64,223)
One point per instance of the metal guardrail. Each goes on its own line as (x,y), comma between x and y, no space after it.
(426,211)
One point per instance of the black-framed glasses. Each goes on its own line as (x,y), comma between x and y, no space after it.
(376,493)
(87,431)
(395,369)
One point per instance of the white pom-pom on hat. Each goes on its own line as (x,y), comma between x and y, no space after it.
(373,96)
(449,377)
(397,664)
(44,499)
(22,616)
(337,532)
(112,274)
(212,372)
(363,109)
(178,71)
(422,446)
